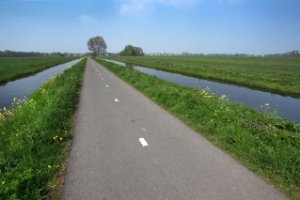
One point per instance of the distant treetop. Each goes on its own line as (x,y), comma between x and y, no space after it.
(130,50)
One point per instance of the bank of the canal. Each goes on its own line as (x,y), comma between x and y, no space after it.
(34,137)
(264,142)
(25,86)
(283,106)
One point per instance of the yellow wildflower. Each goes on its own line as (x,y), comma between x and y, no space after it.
(8,113)
(1,116)
(49,166)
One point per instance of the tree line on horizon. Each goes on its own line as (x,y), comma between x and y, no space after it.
(8,53)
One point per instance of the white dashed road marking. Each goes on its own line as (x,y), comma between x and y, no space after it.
(143,129)
(143,142)
(116,100)
(106,85)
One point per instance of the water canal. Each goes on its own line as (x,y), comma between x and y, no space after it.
(285,106)
(25,86)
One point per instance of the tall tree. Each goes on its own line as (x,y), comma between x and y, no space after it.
(97,45)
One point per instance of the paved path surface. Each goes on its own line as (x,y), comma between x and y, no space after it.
(110,161)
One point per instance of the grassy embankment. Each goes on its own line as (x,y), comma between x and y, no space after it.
(263,142)
(12,68)
(34,137)
(279,75)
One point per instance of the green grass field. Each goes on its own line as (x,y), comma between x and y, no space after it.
(279,75)
(34,136)
(263,142)
(11,68)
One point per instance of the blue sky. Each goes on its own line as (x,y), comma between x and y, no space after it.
(173,26)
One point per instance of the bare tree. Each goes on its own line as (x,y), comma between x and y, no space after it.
(97,45)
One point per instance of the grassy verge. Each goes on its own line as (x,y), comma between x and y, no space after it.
(12,68)
(278,75)
(34,137)
(263,142)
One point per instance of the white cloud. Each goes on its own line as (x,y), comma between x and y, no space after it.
(87,19)
(135,7)
(144,7)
